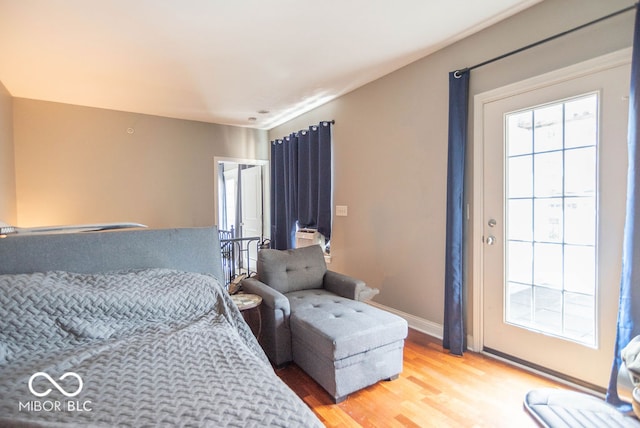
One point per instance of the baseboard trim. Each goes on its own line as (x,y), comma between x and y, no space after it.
(420,324)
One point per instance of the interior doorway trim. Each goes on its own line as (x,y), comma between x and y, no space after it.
(476,338)
(266,217)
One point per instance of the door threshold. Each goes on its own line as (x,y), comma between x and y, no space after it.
(570,381)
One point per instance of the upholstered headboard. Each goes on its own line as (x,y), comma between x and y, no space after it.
(187,249)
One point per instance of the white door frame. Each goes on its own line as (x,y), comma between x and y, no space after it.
(476,339)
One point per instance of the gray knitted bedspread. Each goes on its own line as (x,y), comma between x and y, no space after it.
(142,349)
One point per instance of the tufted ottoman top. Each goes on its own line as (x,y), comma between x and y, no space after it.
(337,327)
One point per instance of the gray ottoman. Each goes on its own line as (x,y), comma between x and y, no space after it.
(345,345)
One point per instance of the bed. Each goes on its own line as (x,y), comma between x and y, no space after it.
(130,328)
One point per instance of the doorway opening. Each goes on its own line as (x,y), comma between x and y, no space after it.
(242,212)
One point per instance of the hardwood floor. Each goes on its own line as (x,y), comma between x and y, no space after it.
(435,389)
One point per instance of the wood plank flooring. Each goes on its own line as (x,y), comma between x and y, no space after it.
(435,389)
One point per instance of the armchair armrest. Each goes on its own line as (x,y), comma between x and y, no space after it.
(271,298)
(275,311)
(343,285)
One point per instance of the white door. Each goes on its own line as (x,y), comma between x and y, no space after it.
(554,190)
(251,210)
(228,199)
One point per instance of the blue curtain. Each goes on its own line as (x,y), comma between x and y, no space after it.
(454,335)
(301,182)
(284,206)
(307,178)
(629,311)
(314,179)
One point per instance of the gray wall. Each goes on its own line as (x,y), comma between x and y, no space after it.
(390,147)
(80,165)
(7,171)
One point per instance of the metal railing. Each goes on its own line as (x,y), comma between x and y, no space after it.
(239,255)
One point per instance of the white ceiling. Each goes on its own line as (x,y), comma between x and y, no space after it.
(222,61)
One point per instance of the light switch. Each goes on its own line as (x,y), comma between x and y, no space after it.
(341,210)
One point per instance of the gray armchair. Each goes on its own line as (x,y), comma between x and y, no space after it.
(283,272)
(315,317)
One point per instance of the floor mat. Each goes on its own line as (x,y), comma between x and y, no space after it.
(557,408)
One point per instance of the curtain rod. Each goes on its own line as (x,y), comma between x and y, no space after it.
(328,122)
(458,73)
(332,122)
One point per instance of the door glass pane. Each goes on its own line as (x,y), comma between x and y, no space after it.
(547,223)
(548,174)
(547,309)
(577,313)
(551,195)
(580,122)
(520,299)
(580,171)
(580,269)
(548,129)
(520,220)
(521,267)
(520,132)
(521,176)
(580,221)
(547,265)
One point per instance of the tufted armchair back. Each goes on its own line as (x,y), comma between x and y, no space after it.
(292,270)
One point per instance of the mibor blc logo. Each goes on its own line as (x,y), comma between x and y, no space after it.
(55,384)
(54,405)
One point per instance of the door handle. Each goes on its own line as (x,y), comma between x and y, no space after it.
(491,240)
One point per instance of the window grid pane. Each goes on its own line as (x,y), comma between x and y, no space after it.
(550,274)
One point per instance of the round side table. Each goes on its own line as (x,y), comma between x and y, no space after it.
(246,302)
